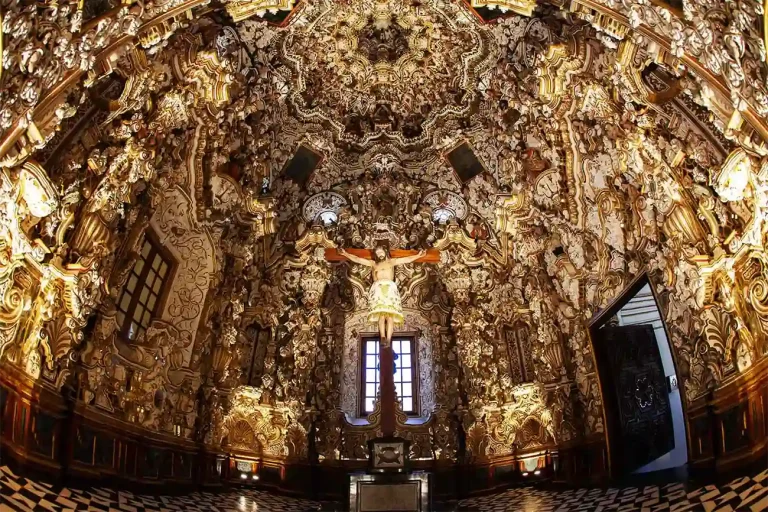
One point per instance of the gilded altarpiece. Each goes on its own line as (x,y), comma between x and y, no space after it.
(601,162)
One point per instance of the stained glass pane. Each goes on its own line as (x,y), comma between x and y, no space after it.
(369,404)
(398,375)
(156,287)
(151,301)
(407,389)
(163,269)
(370,361)
(370,389)
(145,250)
(407,404)
(145,319)
(156,263)
(405,361)
(406,347)
(371,375)
(139,265)
(371,346)
(131,283)
(144,295)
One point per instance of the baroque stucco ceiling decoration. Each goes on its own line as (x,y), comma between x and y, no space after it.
(376,72)
(613,137)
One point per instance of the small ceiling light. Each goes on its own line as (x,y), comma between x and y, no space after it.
(328,217)
(443,215)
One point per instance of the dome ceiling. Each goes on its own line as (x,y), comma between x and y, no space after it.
(378,72)
(372,86)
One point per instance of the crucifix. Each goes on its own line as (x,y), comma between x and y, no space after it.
(386,309)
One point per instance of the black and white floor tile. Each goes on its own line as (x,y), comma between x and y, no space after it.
(740,495)
(19,494)
(747,494)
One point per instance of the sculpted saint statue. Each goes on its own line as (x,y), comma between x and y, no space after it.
(383,297)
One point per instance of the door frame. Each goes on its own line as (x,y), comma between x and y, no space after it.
(600,318)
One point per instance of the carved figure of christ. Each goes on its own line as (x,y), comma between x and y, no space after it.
(384,298)
(386,309)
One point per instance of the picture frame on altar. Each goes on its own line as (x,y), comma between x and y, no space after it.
(388,455)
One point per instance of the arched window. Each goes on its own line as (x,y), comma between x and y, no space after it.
(404,347)
(143,292)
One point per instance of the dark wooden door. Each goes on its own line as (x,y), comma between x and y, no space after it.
(635,395)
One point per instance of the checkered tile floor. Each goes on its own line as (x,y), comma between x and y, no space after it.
(747,494)
(741,495)
(19,494)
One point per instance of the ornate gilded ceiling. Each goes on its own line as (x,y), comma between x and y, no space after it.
(379,72)
(552,155)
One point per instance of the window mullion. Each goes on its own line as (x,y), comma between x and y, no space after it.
(128,320)
(147,267)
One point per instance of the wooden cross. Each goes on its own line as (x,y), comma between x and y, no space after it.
(432,256)
(386,355)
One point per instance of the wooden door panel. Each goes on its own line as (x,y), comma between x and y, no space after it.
(635,395)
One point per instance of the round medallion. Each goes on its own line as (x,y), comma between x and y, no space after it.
(446,205)
(324,207)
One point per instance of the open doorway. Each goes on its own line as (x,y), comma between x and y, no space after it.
(643,406)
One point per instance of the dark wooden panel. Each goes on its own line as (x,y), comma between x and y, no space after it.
(764,405)
(758,416)
(20,423)
(302,165)
(464,162)
(3,413)
(446,482)
(503,474)
(43,434)
(702,446)
(635,395)
(152,463)
(270,475)
(479,478)
(104,454)
(83,446)
(735,428)
(182,466)
(582,463)
(166,464)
